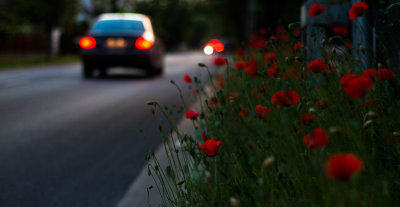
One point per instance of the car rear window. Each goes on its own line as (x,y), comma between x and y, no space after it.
(118,26)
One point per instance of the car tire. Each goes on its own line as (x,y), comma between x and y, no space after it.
(150,73)
(87,71)
(103,72)
(160,71)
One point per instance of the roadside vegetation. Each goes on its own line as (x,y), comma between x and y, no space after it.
(278,130)
(14,62)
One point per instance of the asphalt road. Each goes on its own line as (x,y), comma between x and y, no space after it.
(66,141)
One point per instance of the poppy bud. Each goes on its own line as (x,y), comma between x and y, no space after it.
(201,64)
(396,134)
(287,59)
(298,59)
(367,124)
(363,49)
(334,51)
(334,130)
(234,202)
(312,110)
(148,171)
(293,25)
(208,176)
(370,115)
(323,43)
(151,102)
(380,65)
(180,182)
(268,162)
(330,40)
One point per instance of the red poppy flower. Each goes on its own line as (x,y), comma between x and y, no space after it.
(280,30)
(221,84)
(285,98)
(343,166)
(210,147)
(252,69)
(318,138)
(368,102)
(263,31)
(347,77)
(240,65)
(263,88)
(316,66)
(293,73)
(272,73)
(340,30)
(370,73)
(306,118)
(385,74)
(218,77)
(257,41)
(285,38)
(244,112)
(262,111)
(187,79)
(297,46)
(219,61)
(204,136)
(355,86)
(348,46)
(315,10)
(213,102)
(357,10)
(190,114)
(239,53)
(322,104)
(269,57)
(232,95)
(296,32)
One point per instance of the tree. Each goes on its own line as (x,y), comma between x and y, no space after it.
(40,15)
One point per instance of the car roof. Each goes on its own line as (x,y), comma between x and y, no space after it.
(123,16)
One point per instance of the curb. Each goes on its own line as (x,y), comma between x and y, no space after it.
(136,195)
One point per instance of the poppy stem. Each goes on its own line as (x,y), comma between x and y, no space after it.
(215,176)
(210,77)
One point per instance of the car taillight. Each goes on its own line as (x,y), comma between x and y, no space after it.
(87,42)
(143,44)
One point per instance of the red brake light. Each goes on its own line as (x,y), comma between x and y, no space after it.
(87,42)
(219,47)
(143,44)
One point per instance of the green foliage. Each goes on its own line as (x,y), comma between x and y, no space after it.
(265,161)
(37,15)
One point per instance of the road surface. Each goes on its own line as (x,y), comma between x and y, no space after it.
(66,141)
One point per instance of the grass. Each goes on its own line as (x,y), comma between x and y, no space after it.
(267,158)
(11,62)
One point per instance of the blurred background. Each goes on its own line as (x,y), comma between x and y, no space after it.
(48,28)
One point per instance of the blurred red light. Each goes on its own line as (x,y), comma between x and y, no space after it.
(214,41)
(87,42)
(219,47)
(143,44)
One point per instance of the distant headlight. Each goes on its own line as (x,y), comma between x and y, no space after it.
(208,49)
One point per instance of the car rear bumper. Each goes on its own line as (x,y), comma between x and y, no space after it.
(96,58)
